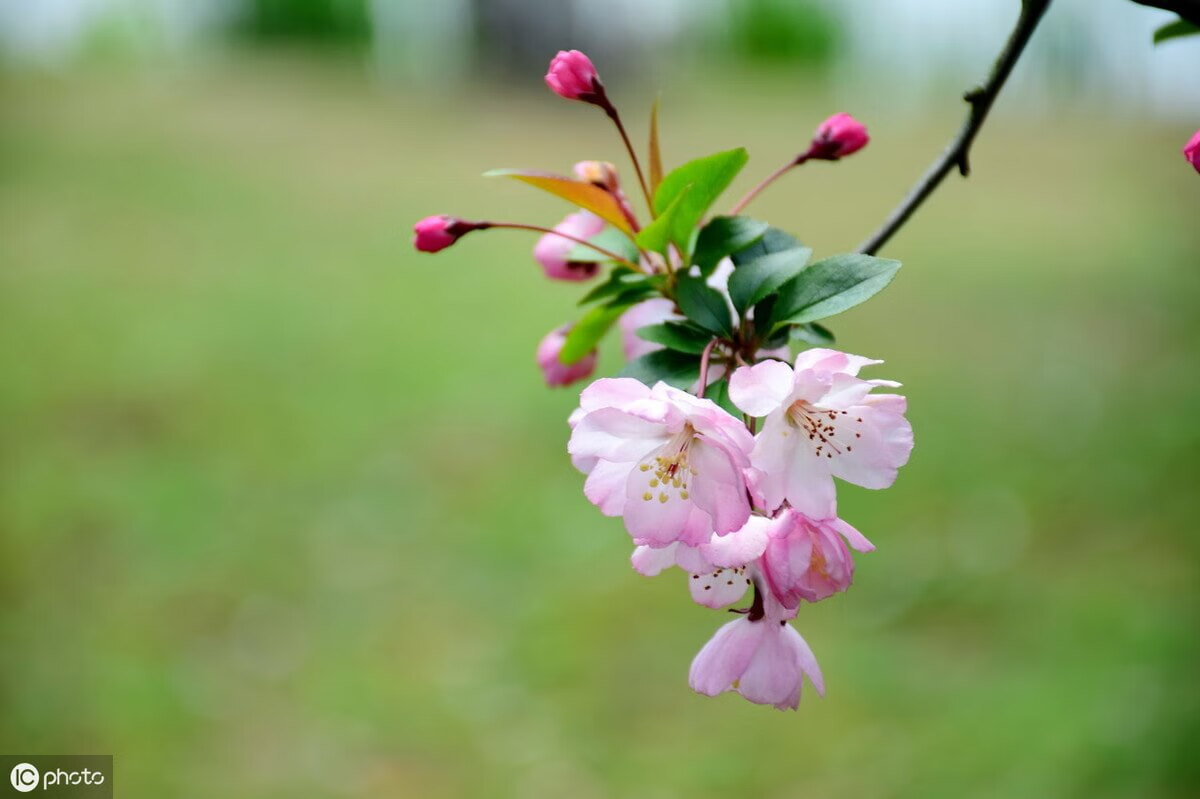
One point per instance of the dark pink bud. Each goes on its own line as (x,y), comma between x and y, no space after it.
(554,370)
(435,233)
(1191,151)
(837,137)
(572,75)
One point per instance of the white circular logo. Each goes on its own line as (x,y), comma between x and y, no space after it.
(24,777)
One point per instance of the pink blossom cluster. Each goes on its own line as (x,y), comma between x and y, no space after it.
(739,495)
(742,512)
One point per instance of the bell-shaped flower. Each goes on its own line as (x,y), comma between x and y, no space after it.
(760,656)
(673,465)
(822,421)
(808,560)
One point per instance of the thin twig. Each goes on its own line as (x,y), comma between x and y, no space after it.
(539,229)
(957,153)
(704,358)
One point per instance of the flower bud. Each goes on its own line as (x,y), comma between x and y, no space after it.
(1191,151)
(598,173)
(435,233)
(572,75)
(838,136)
(555,371)
(553,252)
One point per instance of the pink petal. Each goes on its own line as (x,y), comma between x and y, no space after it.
(605,486)
(760,389)
(716,587)
(773,674)
(724,657)
(717,487)
(739,547)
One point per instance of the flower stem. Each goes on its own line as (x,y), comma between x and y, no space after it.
(704,358)
(611,110)
(538,229)
(767,181)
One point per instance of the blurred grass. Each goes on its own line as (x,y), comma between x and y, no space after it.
(286,511)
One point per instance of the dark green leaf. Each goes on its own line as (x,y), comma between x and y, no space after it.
(588,331)
(812,334)
(610,239)
(725,235)
(677,336)
(708,177)
(657,235)
(830,286)
(773,240)
(622,279)
(674,368)
(752,282)
(1173,30)
(703,305)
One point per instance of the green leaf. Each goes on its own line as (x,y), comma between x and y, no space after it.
(830,286)
(588,331)
(610,239)
(718,392)
(708,177)
(577,192)
(1173,30)
(812,334)
(657,235)
(773,240)
(674,368)
(752,282)
(703,305)
(725,235)
(679,336)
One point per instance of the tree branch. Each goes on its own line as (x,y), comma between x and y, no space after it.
(1186,9)
(957,153)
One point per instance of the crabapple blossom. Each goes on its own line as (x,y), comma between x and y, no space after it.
(648,312)
(553,251)
(719,570)
(760,656)
(1191,151)
(838,136)
(673,465)
(573,76)
(553,369)
(822,421)
(808,559)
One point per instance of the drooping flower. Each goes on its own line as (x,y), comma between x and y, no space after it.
(719,570)
(554,370)
(837,137)
(822,422)
(760,656)
(673,465)
(1191,151)
(436,233)
(553,252)
(573,76)
(807,559)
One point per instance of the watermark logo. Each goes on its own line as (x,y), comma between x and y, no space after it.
(53,776)
(25,777)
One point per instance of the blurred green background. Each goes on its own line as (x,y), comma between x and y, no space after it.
(285,509)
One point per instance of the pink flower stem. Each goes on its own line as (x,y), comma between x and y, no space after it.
(611,111)
(767,181)
(704,358)
(576,239)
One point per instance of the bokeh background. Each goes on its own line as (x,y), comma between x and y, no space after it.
(285,509)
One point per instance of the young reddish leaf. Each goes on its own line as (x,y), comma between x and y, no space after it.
(585,195)
(656,167)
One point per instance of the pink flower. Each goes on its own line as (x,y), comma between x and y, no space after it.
(822,422)
(719,571)
(807,559)
(1191,151)
(674,466)
(838,136)
(555,371)
(572,75)
(760,656)
(552,251)
(434,233)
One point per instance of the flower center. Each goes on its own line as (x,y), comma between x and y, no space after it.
(667,471)
(823,427)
